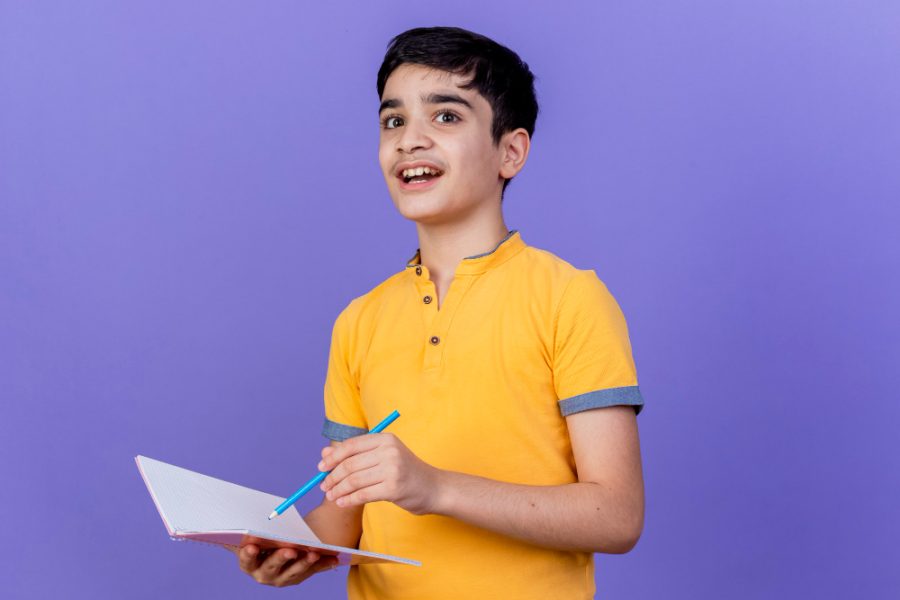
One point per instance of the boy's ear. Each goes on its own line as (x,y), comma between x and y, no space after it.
(515,145)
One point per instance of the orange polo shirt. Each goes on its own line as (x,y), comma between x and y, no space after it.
(483,384)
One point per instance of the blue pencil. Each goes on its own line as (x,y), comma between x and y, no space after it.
(323,474)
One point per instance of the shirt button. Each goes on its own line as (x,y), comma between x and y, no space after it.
(427,299)
(435,340)
(418,270)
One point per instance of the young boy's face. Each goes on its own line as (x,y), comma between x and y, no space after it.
(426,118)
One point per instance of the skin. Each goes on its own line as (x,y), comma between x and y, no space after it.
(461,216)
(331,524)
(602,512)
(283,567)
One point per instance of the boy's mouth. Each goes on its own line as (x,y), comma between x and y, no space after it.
(419,175)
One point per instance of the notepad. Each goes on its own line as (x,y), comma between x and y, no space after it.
(205,509)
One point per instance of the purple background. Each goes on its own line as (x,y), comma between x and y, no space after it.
(190,193)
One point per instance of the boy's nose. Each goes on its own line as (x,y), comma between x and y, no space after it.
(413,138)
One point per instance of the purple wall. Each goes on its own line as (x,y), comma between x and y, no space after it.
(190,193)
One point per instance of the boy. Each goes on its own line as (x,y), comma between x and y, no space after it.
(517,455)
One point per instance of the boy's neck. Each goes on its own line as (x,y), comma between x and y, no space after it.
(443,246)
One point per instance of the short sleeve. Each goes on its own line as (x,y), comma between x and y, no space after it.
(592,363)
(343,411)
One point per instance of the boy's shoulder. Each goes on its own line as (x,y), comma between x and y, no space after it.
(550,271)
(549,262)
(370,300)
(558,280)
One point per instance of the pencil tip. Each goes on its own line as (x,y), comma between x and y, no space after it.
(273,515)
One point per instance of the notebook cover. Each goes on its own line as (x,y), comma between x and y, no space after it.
(178,491)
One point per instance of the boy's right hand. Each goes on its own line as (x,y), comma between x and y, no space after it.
(282,567)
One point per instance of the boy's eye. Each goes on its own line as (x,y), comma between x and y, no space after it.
(447,114)
(390,122)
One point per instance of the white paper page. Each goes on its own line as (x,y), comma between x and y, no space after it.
(191,502)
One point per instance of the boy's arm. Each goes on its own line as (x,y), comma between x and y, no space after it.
(335,525)
(602,512)
(331,524)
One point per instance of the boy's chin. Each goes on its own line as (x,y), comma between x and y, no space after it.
(426,211)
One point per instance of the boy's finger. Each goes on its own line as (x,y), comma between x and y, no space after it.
(324,564)
(303,567)
(327,561)
(355,481)
(359,462)
(278,559)
(247,558)
(295,572)
(349,447)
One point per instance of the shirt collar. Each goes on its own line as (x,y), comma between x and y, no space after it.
(479,263)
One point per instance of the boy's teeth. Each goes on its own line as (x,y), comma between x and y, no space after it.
(420,171)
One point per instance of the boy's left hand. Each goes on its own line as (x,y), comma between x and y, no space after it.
(378,466)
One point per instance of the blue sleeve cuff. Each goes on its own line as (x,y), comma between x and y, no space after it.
(338,432)
(628,395)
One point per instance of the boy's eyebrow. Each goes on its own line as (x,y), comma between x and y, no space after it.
(429,99)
